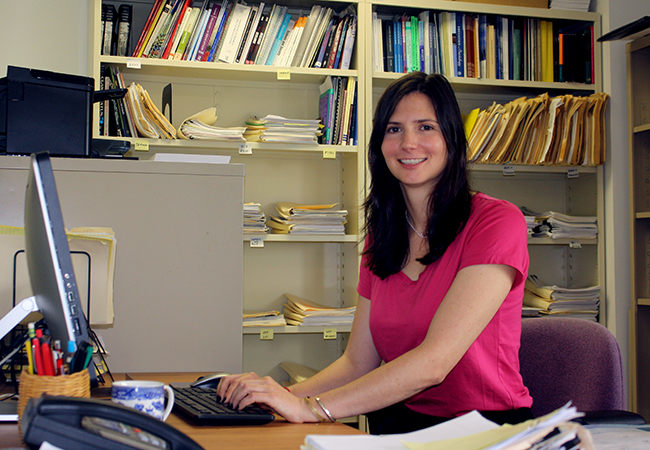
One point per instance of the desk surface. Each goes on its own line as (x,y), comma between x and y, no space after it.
(277,435)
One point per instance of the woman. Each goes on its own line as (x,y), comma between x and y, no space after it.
(440,287)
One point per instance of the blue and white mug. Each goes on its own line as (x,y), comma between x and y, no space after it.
(145,396)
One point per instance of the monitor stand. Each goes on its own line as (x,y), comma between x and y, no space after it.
(18,313)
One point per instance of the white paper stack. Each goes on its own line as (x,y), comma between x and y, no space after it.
(281,129)
(254,219)
(555,300)
(557,226)
(296,218)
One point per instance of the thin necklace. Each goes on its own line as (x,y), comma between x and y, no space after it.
(406,213)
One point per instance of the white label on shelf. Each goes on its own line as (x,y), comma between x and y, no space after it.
(329,333)
(572,173)
(257,242)
(133,64)
(329,154)
(575,244)
(284,74)
(245,149)
(266,335)
(508,171)
(141,146)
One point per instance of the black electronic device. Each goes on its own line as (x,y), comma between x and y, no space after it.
(202,407)
(70,422)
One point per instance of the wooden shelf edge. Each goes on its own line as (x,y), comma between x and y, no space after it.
(290,329)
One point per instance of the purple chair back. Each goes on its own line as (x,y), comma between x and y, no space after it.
(566,359)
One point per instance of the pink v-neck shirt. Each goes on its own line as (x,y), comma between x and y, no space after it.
(487,377)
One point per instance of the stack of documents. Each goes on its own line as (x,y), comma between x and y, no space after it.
(280,129)
(557,226)
(254,318)
(148,119)
(297,218)
(297,372)
(301,312)
(254,219)
(575,5)
(564,130)
(201,126)
(472,431)
(554,300)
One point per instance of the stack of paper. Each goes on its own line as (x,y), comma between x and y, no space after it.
(556,225)
(254,219)
(201,126)
(272,318)
(555,300)
(296,218)
(297,372)
(564,130)
(472,431)
(280,129)
(575,5)
(301,312)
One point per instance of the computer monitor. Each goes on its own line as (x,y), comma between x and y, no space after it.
(48,261)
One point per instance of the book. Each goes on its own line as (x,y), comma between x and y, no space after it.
(348,46)
(326,44)
(152,19)
(156,49)
(256,13)
(325,106)
(235,32)
(197,33)
(175,34)
(192,17)
(110,18)
(208,34)
(306,35)
(125,15)
(222,19)
(275,47)
(257,38)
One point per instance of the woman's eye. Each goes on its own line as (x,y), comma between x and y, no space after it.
(392,130)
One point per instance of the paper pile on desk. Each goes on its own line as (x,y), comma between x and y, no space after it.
(301,312)
(201,126)
(555,300)
(296,218)
(280,129)
(254,219)
(471,432)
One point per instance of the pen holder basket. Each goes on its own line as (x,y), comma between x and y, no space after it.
(33,386)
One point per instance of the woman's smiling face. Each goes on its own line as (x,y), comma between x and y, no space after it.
(414,147)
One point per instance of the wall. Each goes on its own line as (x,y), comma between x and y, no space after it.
(48,35)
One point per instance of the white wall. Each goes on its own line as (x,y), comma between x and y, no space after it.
(43,34)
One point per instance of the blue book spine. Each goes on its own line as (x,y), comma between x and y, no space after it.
(460,44)
(278,39)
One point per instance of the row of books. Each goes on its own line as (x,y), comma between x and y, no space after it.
(458,44)
(116,29)
(297,218)
(338,111)
(549,300)
(564,130)
(231,31)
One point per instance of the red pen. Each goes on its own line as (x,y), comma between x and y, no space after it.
(48,362)
(38,356)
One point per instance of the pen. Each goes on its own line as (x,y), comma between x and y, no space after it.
(89,355)
(48,363)
(30,359)
(38,357)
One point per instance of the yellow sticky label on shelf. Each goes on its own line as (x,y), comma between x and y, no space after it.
(329,333)
(133,64)
(266,335)
(141,146)
(329,154)
(284,74)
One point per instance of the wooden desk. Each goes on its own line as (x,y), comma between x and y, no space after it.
(277,435)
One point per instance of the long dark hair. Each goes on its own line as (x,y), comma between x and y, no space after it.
(449,203)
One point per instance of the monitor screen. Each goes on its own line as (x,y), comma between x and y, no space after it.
(48,256)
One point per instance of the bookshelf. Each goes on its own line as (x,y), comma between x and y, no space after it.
(323,268)
(320,268)
(638,69)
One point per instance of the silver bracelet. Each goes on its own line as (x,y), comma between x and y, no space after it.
(327,413)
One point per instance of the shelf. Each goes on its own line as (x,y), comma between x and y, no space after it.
(643,301)
(303,238)
(289,329)
(563,241)
(642,128)
(225,71)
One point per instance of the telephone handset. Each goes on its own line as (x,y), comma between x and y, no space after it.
(70,422)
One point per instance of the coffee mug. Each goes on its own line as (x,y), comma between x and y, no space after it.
(145,396)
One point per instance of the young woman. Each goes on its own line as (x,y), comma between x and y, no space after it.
(440,287)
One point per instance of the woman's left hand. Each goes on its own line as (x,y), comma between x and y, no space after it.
(245,389)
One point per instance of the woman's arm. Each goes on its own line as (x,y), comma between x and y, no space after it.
(472,300)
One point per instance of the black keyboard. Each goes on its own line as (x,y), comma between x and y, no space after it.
(202,407)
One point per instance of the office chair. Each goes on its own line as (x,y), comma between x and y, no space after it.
(564,359)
